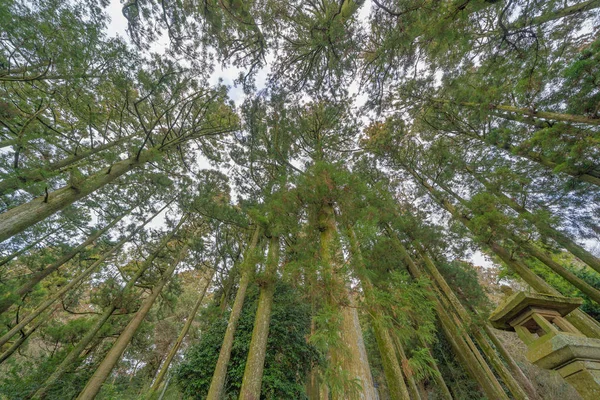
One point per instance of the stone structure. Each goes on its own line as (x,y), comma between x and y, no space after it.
(552,342)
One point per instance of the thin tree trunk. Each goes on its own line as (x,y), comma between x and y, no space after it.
(552,116)
(17,253)
(456,334)
(543,227)
(412,384)
(465,354)
(582,321)
(253,372)
(516,381)
(512,365)
(70,359)
(26,177)
(10,298)
(546,259)
(186,327)
(73,283)
(94,384)
(215,392)
(439,379)
(565,12)
(570,277)
(24,336)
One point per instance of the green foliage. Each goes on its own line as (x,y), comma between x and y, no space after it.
(288,359)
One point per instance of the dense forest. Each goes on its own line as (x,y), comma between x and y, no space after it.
(318,199)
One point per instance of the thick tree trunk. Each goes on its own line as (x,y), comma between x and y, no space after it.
(215,392)
(543,227)
(9,299)
(18,219)
(352,358)
(94,384)
(175,348)
(73,283)
(391,367)
(253,372)
(26,177)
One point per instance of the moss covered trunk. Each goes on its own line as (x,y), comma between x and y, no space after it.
(215,392)
(253,372)
(94,384)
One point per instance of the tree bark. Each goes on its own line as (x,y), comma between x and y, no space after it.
(352,357)
(73,283)
(552,116)
(215,392)
(17,253)
(516,381)
(10,298)
(24,336)
(94,384)
(391,367)
(26,177)
(543,227)
(582,321)
(253,372)
(464,347)
(70,359)
(175,348)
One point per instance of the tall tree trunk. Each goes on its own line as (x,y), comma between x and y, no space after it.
(94,384)
(26,177)
(516,381)
(391,367)
(563,12)
(19,218)
(73,355)
(582,321)
(69,361)
(175,348)
(412,384)
(461,342)
(543,227)
(24,336)
(9,299)
(552,116)
(215,392)
(352,358)
(512,365)
(541,255)
(73,283)
(253,372)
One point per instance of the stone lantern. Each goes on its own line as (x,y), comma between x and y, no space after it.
(552,342)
